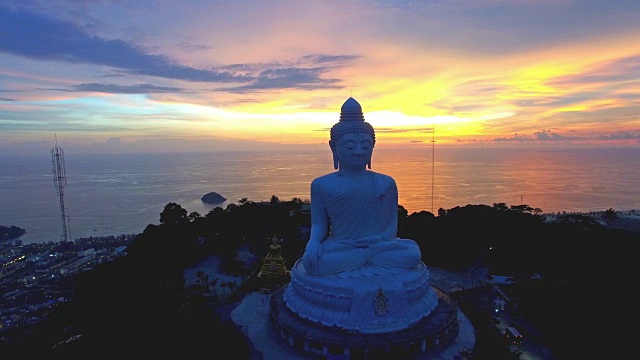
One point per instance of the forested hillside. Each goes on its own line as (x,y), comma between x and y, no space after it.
(140,301)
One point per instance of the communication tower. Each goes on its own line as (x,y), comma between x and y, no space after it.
(60,180)
(433,162)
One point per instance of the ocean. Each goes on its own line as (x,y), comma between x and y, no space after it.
(121,194)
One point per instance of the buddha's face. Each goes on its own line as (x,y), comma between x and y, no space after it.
(354,150)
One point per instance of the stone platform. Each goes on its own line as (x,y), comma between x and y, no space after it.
(362,304)
(314,341)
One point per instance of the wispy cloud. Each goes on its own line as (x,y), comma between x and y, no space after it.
(289,78)
(45,38)
(64,41)
(303,74)
(120,89)
(551,136)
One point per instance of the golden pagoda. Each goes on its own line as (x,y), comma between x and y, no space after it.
(273,265)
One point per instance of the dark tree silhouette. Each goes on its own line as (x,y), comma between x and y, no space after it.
(610,215)
(173,214)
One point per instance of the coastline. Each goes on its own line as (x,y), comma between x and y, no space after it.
(623,220)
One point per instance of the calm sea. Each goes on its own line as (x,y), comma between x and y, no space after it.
(121,194)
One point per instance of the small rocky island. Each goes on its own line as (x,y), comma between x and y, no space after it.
(213,198)
(10,232)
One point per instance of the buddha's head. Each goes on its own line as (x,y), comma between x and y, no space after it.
(353,125)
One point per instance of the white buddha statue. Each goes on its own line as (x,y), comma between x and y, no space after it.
(361,206)
(356,273)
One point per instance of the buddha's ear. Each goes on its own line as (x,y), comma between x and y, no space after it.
(332,145)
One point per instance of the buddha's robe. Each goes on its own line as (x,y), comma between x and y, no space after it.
(362,237)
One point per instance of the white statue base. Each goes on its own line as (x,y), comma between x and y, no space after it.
(367,304)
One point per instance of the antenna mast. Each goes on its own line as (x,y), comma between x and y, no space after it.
(433,161)
(60,180)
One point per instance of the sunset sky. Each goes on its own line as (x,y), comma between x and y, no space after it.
(104,76)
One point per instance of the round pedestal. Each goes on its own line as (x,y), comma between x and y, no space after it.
(312,340)
(367,305)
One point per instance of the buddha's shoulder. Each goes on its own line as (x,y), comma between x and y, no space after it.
(382,178)
(334,178)
(380,175)
(326,179)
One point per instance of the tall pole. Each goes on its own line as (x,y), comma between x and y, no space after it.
(60,180)
(433,162)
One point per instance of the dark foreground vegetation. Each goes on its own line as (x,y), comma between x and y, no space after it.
(572,276)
